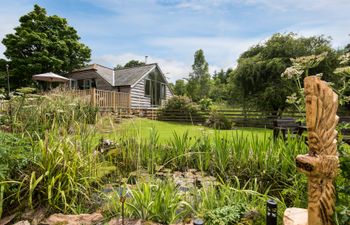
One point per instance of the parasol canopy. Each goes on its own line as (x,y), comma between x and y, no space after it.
(50,77)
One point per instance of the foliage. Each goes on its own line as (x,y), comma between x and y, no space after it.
(13,158)
(343,187)
(219,89)
(226,156)
(179,104)
(300,66)
(159,201)
(26,90)
(130,64)
(39,113)
(218,120)
(43,43)
(225,215)
(199,83)
(205,103)
(257,81)
(180,87)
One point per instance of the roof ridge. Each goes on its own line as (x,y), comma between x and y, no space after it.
(102,66)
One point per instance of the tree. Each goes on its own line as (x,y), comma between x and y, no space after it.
(257,79)
(198,85)
(133,63)
(219,91)
(43,43)
(180,87)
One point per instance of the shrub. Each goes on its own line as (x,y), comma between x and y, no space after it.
(225,215)
(205,103)
(26,90)
(181,107)
(218,120)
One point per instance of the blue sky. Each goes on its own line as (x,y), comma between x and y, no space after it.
(170,31)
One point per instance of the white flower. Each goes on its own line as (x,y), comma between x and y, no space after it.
(292,72)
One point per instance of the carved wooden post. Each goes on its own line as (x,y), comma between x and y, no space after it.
(320,165)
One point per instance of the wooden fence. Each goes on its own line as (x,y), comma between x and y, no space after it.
(104,100)
(239,117)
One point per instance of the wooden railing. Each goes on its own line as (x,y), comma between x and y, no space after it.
(104,100)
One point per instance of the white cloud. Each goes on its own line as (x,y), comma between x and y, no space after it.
(172,69)
(220,52)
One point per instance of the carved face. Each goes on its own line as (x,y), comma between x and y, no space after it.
(307,164)
(318,166)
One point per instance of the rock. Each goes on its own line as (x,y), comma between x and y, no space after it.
(85,219)
(116,221)
(295,216)
(38,216)
(23,222)
(7,219)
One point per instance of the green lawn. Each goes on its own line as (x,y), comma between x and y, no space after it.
(143,128)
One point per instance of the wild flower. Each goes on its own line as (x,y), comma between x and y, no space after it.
(292,72)
(344,59)
(308,62)
(343,70)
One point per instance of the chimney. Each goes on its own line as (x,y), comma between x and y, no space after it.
(146,59)
(113,78)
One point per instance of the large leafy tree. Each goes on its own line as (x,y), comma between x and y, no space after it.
(43,43)
(257,81)
(199,85)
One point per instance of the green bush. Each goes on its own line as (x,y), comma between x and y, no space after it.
(26,90)
(205,103)
(225,215)
(218,120)
(181,107)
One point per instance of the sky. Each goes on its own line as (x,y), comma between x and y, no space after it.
(170,31)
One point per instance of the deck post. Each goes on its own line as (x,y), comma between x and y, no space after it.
(93,96)
(129,104)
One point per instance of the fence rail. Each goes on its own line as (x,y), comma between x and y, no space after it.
(239,117)
(104,100)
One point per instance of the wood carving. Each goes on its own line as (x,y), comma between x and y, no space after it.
(321,163)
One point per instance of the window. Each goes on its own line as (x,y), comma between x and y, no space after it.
(73,84)
(147,87)
(86,84)
(163,91)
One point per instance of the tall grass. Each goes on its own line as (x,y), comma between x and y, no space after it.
(271,162)
(63,172)
(39,113)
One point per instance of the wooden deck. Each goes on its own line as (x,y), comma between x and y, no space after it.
(104,100)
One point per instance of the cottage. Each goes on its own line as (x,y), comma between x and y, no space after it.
(146,84)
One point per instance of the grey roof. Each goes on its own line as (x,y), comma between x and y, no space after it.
(129,76)
(123,77)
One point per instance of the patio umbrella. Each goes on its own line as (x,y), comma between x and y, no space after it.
(50,77)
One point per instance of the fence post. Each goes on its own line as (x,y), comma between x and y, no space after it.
(93,96)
